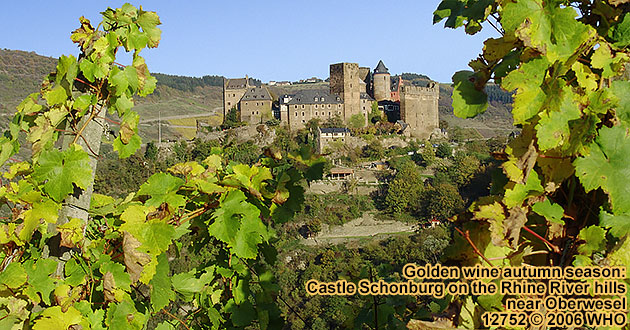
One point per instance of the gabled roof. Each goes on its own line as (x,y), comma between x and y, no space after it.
(380,68)
(257,93)
(314,96)
(236,83)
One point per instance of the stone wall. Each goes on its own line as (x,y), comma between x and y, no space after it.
(231,97)
(256,112)
(382,86)
(345,82)
(419,109)
(300,114)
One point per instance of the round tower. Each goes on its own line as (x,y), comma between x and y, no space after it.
(381,82)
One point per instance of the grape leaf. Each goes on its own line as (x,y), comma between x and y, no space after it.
(13,276)
(553,127)
(126,150)
(607,161)
(594,238)
(39,277)
(161,292)
(124,316)
(551,211)
(526,80)
(238,224)
(59,170)
(619,225)
(55,318)
(468,101)
(162,188)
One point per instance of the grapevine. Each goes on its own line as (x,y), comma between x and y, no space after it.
(73,259)
(563,200)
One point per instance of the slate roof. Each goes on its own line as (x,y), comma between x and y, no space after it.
(380,68)
(366,96)
(236,83)
(256,93)
(314,96)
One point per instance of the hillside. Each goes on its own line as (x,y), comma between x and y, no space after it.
(181,100)
(184,98)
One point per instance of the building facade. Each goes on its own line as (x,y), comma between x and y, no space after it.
(419,109)
(255,105)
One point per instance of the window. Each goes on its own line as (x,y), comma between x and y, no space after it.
(302,106)
(233,95)
(315,113)
(329,106)
(328,113)
(296,106)
(229,103)
(296,114)
(245,103)
(315,106)
(315,99)
(302,113)
(322,99)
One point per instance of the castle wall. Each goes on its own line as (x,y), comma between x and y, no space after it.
(231,97)
(382,86)
(255,112)
(345,82)
(300,114)
(419,109)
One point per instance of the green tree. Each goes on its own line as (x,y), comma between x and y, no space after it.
(232,119)
(356,121)
(404,190)
(151,151)
(375,113)
(440,201)
(444,150)
(374,150)
(334,121)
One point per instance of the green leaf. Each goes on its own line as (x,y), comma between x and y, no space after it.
(619,225)
(156,237)
(39,277)
(55,96)
(161,292)
(517,195)
(607,161)
(126,150)
(594,238)
(242,314)
(121,277)
(551,211)
(124,316)
(238,224)
(67,68)
(162,188)
(55,318)
(46,210)
(148,21)
(553,127)
(13,276)
(527,81)
(545,26)
(621,90)
(620,33)
(88,67)
(468,101)
(58,171)
(93,317)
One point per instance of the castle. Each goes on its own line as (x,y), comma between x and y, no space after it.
(352,90)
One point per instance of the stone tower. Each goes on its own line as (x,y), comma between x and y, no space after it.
(419,109)
(381,82)
(345,82)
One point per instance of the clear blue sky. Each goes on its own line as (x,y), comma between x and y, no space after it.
(268,40)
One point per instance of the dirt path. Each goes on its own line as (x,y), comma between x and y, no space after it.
(365,226)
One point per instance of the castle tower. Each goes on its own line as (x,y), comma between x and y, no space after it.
(381,82)
(345,82)
(419,109)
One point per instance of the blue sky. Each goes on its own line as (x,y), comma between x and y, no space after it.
(268,40)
